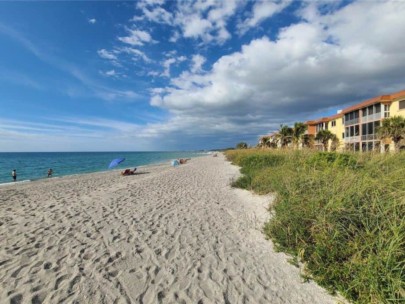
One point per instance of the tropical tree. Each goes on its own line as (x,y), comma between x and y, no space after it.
(392,128)
(297,132)
(324,136)
(242,145)
(264,141)
(273,141)
(335,143)
(308,141)
(285,135)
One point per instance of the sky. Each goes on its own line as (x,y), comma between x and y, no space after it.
(156,75)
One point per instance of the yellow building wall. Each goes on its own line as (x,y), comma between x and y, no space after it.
(338,130)
(394,109)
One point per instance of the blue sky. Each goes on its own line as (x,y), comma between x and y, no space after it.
(185,75)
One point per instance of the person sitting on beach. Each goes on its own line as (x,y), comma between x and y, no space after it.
(183,160)
(128,172)
(50,171)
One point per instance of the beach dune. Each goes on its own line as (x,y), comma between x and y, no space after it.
(164,235)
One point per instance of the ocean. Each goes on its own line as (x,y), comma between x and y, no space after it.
(35,165)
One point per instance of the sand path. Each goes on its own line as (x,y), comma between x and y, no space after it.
(167,235)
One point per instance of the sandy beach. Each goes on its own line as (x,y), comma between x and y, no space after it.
(164,235)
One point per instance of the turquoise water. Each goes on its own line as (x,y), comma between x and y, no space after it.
(33,166)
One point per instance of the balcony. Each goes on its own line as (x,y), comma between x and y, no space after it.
(352,121)
(373,117)
(352,139)
(369,137)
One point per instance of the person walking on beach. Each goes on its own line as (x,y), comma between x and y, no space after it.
(14,174)
(50,171)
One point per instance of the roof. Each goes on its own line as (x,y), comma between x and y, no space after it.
(323,119)
(379,99)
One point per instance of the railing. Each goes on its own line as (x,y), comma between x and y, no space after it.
(372,117)
(352,139)
(352,121)
(369,137)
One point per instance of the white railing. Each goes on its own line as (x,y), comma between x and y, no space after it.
(352,139)
(375,116)
(352,121)
(369,137)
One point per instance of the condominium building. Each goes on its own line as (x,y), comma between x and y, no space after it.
(355,127)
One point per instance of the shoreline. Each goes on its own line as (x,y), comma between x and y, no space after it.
(78,166)
(165,235)
(107,171)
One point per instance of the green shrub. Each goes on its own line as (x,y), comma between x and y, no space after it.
(342,215)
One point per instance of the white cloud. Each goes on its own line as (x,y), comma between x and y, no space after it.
(206,20)
(92,20)
(155,14)
(166,64)
(200,19)
(137,53)
(262,10)
(197,62)
(136,37)
(170,61)
(327,61)
(103,53)
(110,73)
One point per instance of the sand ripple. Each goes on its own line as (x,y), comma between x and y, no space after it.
(166,235)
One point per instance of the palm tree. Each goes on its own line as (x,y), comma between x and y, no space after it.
(324,136)
(308,140)
(285,134)
(393,128)
(335,143)
(297,132)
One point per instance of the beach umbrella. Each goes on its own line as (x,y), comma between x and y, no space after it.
(115,162)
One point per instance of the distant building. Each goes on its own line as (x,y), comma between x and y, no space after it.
(355,127)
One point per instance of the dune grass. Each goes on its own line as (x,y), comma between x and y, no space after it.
(341,214)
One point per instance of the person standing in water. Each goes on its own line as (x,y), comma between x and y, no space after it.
(50,171)
(14,174)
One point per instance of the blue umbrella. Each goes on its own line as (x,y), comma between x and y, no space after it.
(115,162)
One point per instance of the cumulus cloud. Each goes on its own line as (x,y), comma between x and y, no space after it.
(92,20)
(323,62)
(262,10)
(170,61)
(197,62)
(206,20)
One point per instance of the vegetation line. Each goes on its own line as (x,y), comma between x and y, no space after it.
(341,214)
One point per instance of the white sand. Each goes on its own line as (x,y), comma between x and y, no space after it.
(167,235)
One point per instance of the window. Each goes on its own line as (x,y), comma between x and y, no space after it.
(356,130)
(364,129)
(343,135)
(386,111)
(402,105)
(378,108)
(333,123)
